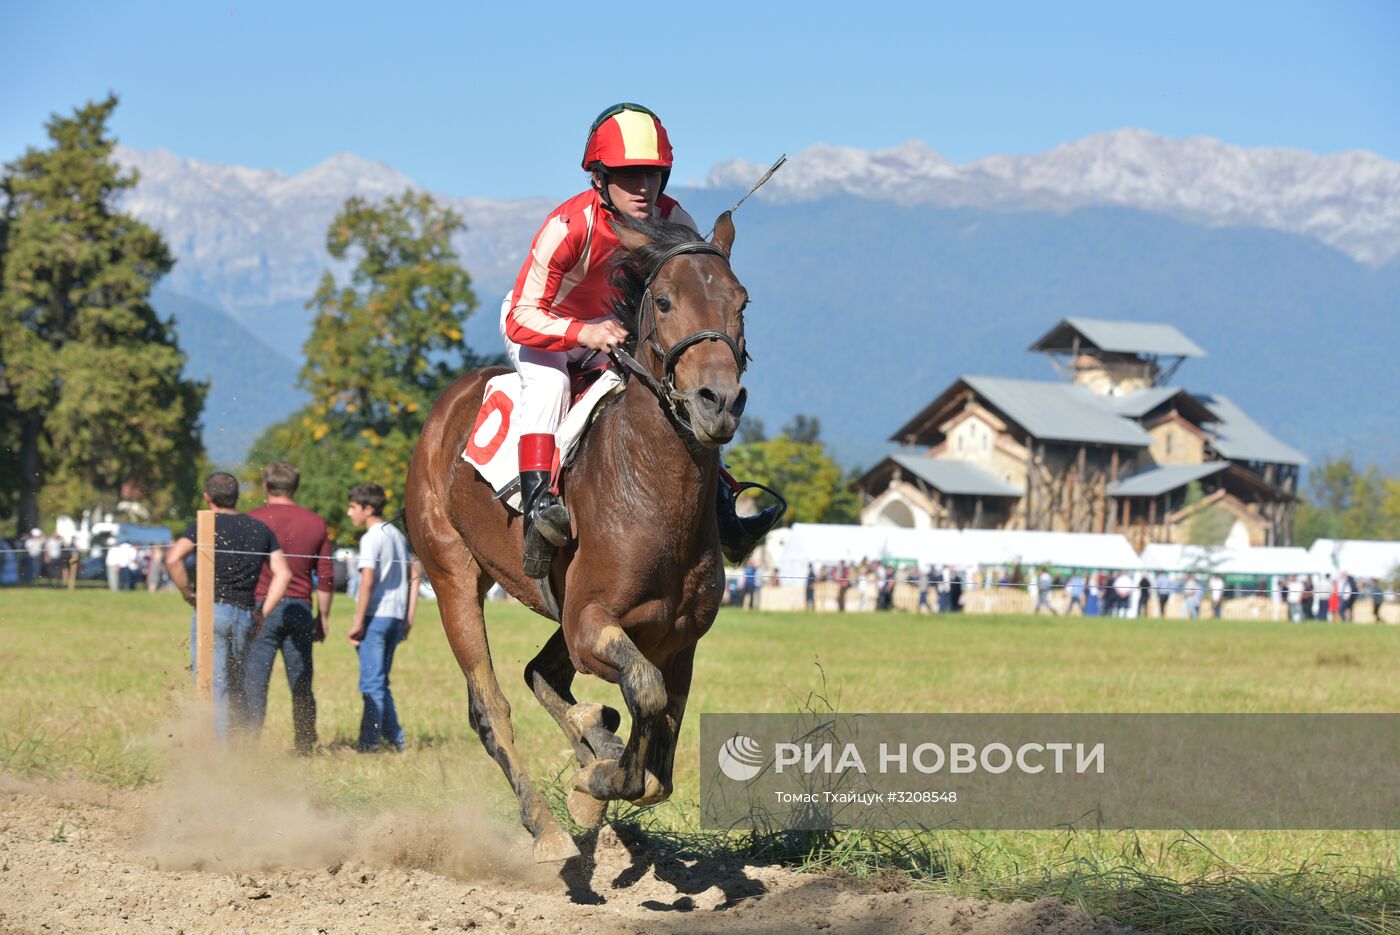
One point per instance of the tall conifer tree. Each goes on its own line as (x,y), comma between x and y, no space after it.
(90,377)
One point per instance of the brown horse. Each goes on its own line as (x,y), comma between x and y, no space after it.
(642,579)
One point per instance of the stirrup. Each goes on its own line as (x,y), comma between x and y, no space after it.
(740,535)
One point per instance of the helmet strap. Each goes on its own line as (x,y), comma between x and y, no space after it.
(599,178)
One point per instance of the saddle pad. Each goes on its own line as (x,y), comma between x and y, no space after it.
(493,447)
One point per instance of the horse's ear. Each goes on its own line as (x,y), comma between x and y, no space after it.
(724,233)
(629,237)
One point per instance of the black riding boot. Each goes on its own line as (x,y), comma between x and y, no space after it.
(740,535)
(546,522)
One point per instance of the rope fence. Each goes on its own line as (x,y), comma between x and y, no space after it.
(900,578)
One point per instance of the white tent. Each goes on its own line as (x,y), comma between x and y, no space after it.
(823,544)
(1360,557)
(1265,562)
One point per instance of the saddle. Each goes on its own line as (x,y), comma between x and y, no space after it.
(493,446)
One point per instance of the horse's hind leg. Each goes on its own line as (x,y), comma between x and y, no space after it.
(590,728)
(489,711)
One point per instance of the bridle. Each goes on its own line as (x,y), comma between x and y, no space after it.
(665,388)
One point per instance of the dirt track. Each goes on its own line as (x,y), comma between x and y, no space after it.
(82,859)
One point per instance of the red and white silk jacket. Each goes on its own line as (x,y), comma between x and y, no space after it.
(565,281)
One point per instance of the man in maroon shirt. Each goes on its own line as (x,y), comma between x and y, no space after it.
(291,627)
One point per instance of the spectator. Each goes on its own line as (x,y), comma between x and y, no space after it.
(34,551)
(1293,588)
(1217,595)
(1075,589)
(925,583)
(1377,598)
(1163,586)
(117,560)
(1322,597)
(843,584)
(1308,597)
(1191,598)
(292,627)
(1346,601)
(156,577)
(750,590)
(53,557)
(1123,590)
(384,611)
(885,581)
(1142,600)
(1043,586)
(955,591)
(242,546)
(810,597)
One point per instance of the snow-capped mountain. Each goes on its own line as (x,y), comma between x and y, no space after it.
(1350,200)
(256,237)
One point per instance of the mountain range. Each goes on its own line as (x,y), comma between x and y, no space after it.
(878,277)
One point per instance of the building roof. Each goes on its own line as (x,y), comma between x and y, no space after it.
(1157,480)
(955,477)
(1121,337)
(1139,403)
(1240,438)
(1054,411)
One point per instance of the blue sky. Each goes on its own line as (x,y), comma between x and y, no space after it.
(483,99)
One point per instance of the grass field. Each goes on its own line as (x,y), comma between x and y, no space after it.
(91,684)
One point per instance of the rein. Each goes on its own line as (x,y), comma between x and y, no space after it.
(665,388)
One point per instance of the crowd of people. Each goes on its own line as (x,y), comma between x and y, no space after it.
(870,585)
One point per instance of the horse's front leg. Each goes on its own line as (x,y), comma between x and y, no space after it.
(608,651)
(662,763)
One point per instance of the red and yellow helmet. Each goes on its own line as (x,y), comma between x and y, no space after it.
(627,135)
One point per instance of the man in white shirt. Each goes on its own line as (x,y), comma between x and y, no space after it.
(384,611)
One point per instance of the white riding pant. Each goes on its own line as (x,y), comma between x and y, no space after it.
(544,381)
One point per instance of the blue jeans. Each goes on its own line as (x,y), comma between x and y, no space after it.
(233,629)
(380,721)
(291,629)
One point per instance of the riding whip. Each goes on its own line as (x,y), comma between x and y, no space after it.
(756,186)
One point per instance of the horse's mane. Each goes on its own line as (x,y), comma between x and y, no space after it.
(632,267)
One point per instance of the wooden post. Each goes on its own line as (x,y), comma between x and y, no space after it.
(204,604)
(71,572)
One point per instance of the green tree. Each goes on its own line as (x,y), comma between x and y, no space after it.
(383,345)
(802,472)
(804,428)
(91,380)
(1344,502)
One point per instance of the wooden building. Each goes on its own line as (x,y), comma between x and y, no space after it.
(1109,448)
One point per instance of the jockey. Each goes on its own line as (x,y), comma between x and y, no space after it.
(561,308)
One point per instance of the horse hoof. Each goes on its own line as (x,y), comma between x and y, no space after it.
(586,811)
(585,715)
(597,779)
(553,846)
(653,793)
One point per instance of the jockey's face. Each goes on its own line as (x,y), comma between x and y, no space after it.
(633,191)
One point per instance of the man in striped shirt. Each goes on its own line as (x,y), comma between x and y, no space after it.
(561,308)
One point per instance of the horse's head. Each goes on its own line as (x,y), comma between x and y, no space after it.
(685,309)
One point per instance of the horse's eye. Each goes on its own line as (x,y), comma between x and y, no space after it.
(663,303)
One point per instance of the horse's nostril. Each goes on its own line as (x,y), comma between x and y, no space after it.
(709,399)
(741,399)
